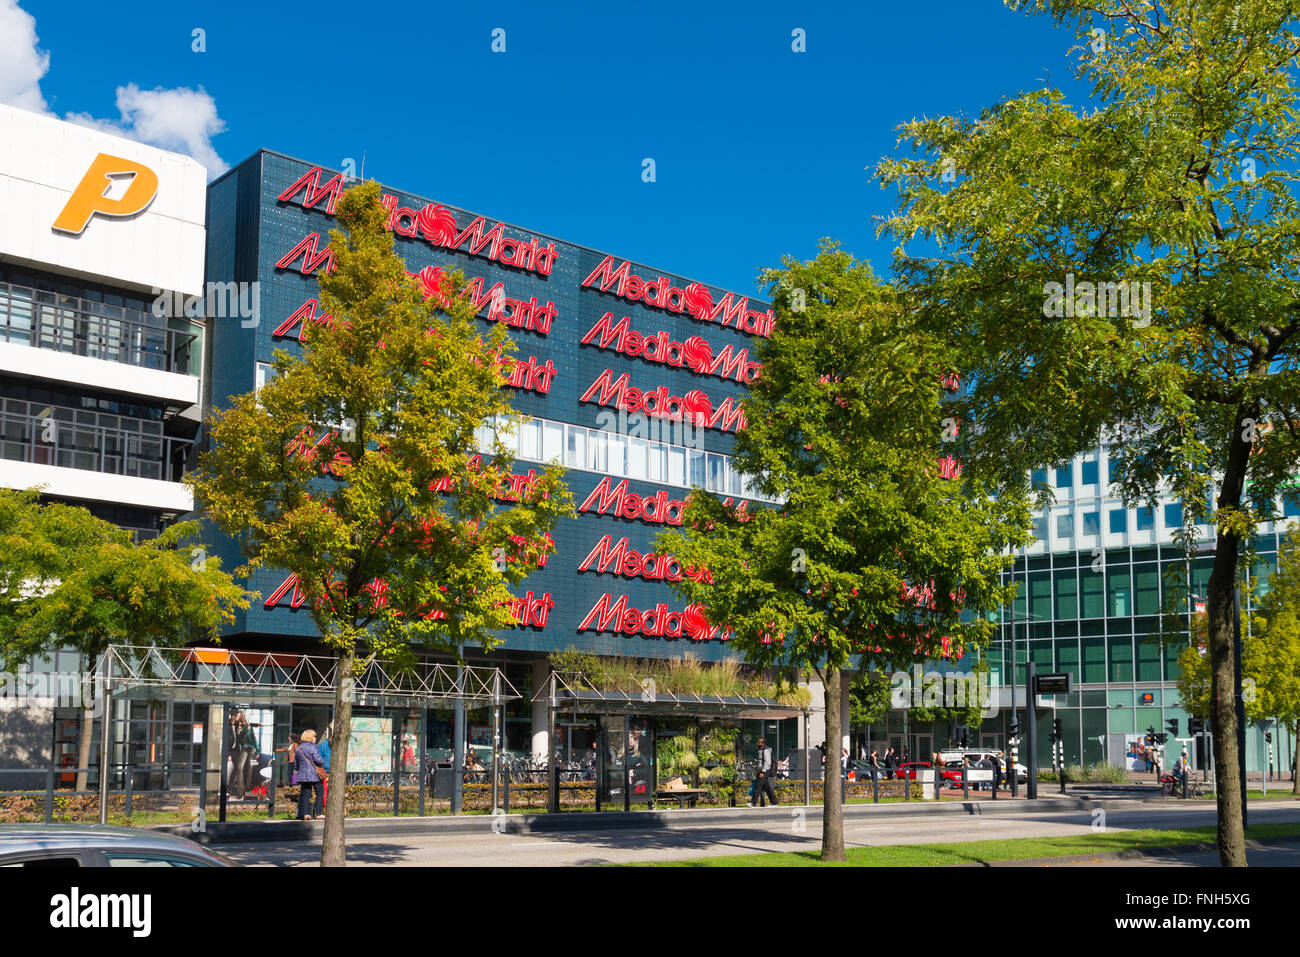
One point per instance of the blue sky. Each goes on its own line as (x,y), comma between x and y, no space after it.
(759,151)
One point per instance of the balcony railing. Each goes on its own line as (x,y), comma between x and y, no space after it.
(73,438)
(49,320)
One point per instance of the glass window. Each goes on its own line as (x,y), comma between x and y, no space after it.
(616,454)
(1040,597)
(1146,519)
(1065,526)
(1040,476)
(530,439)
(552,441)
(716,467)
(576,453)
(638,451)
(1089,473)
(1173,515)
(676,465)
(733,480)
(1067,594)
(1118,521)
(1092,588)
(1112,469)
(1121,657)
(1119,585)
(1094,658)
(123,860)
(1290,503)
(655,462)
(1067,657)
(1092,523)
(696,463)
(265,373)
(1040,528)
(1064,477)
(1148,661)
(597,450)
(1146,595)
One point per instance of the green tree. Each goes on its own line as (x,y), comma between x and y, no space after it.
(1121,271)
(71,580)
(392,523)
(874,558)
(1270,657)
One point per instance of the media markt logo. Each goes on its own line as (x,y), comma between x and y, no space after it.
(932,689)
(75,910)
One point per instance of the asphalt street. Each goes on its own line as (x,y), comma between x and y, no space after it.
(491,849)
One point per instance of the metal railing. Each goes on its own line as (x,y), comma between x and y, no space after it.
(49,320)
(59,439)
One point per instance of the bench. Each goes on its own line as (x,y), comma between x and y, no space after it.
(682,795)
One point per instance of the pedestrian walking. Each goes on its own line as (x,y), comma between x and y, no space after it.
(766,769)
(310,769)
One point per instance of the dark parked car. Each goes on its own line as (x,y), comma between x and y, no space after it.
(96,845)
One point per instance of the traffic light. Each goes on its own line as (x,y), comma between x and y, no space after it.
(1151,736)
(1056,730)
(961,738)
(1173,727)
(1014,730)
(1161,738)
(1195,726)
(1268,736)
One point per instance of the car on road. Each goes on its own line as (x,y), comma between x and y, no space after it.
(100,845)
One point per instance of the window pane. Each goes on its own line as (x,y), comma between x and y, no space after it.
(552,441)
(1147,591)
(1118,586)
(1091,587)
(696,467)
(1065,526)
(1146,519)
(596,450)
(1089,473)
(715,472)
(1040,476)
(1121,658)
(530,439)
(1173,515)
(616,455)
(1067,594)
(637,452)
(733,480)
(1092,523)
(676,465)
(576,457)
(1118,521)
(1040,597)
(1094,658)
(1064,477)
(656,465)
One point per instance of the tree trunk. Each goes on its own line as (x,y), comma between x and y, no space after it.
(1221,635)
(832,809)
(333,849)
(87,727)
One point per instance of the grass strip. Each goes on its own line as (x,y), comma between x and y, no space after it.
(981,852)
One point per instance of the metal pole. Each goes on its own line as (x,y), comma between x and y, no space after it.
(49,792)
(552,765)
(105,735)
(398,724)
(807,764)
(458,729)
(419,755)
(1240,699)
(1031,732)
(496,736)
(627,757)
(225,749)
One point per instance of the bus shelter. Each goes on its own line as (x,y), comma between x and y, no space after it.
(232,678)
(628,721)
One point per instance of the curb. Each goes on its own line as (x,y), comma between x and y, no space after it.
(1131,854)
(289,830)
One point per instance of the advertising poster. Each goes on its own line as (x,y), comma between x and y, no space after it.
(370,746)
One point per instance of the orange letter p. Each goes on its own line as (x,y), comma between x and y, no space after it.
(91,195)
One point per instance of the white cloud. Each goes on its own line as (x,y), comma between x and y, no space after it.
(22,62)
(180,119)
